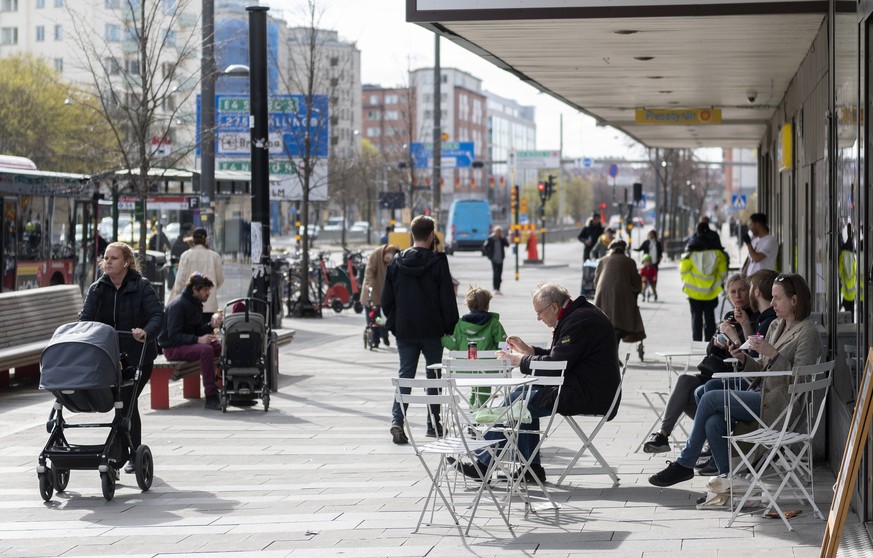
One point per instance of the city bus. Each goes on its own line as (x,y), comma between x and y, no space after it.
(46,232)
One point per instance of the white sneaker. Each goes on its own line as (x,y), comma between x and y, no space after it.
(129,469)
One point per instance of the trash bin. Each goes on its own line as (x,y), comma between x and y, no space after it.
(154,271)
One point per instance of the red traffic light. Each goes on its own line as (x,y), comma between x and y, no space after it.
(542,186)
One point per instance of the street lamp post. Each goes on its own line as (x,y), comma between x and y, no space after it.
(207,113)
(260,156)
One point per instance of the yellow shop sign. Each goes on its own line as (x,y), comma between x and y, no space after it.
(672,117)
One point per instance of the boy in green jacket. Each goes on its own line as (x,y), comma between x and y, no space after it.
(480,326)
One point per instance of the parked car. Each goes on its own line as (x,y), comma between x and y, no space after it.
(333,224)
(359,226)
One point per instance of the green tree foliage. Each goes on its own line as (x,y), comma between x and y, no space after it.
(43,119)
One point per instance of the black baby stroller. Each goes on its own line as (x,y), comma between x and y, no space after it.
(82,368)
(244,366)
(375,330)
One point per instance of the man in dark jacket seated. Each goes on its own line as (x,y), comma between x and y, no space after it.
(584,337)
(189,338)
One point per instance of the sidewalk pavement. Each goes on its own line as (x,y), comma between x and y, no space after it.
(318,475)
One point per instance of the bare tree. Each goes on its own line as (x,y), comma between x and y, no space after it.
(143,64)
(315,77)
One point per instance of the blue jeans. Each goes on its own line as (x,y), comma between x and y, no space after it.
(409,350)
(709,424)
(526,442)
(715,384)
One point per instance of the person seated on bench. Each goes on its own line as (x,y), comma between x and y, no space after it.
(189,337)
(583,337)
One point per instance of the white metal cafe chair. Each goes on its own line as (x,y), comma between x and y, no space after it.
(550,375)
(454,444)
(588,439)
(786,444)
(657,399)
(463,367)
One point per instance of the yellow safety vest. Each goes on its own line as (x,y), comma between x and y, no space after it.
(703,273)
(848,269)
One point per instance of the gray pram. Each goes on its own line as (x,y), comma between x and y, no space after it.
(243,362)
(82,368)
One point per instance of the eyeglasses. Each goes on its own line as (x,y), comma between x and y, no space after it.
(543,310)
(784,278)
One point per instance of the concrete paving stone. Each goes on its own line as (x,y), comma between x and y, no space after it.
(375,552)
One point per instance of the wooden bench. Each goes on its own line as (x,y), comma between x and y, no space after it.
(27,321)
(165,371)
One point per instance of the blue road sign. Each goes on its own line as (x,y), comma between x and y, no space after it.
(462,152)
(738,201)
(287,115)
(587,162)
(613,170)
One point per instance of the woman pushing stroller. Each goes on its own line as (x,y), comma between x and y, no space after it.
(125,300)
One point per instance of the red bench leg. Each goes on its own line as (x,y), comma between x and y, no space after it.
(27,373)
(160,382)
(191,386)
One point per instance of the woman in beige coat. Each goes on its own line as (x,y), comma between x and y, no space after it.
(792,340)
(374,279)
(617,285)
(200,259)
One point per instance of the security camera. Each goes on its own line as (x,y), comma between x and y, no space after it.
(751,96)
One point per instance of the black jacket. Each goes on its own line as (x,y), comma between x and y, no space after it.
(585,338)
(133,305)
(494,246)
(185,321)
(644,248)
(417,297)
(591,232)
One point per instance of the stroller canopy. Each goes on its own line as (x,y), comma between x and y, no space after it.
(80,355)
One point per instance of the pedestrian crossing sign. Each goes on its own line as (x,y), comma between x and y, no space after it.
(738,201)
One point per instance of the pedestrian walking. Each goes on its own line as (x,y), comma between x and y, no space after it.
(495,250)
(419,304)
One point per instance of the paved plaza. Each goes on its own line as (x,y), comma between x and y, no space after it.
(318,475)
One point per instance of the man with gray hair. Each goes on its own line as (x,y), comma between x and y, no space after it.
(583,336)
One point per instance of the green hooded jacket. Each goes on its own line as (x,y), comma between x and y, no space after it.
(482,327)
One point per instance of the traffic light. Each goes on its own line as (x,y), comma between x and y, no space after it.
(542,189)
(550,186)
(514,198)
(638,192)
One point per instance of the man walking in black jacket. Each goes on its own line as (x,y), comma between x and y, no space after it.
(418,301)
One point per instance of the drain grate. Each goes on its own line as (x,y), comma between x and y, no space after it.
(855,542)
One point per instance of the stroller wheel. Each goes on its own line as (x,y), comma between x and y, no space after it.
(336,305)
(62,479)
(46,486)
(107,481)
(641,351)
(144,467)
(223,403)
(358,307)
(266,400)
(366,338)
